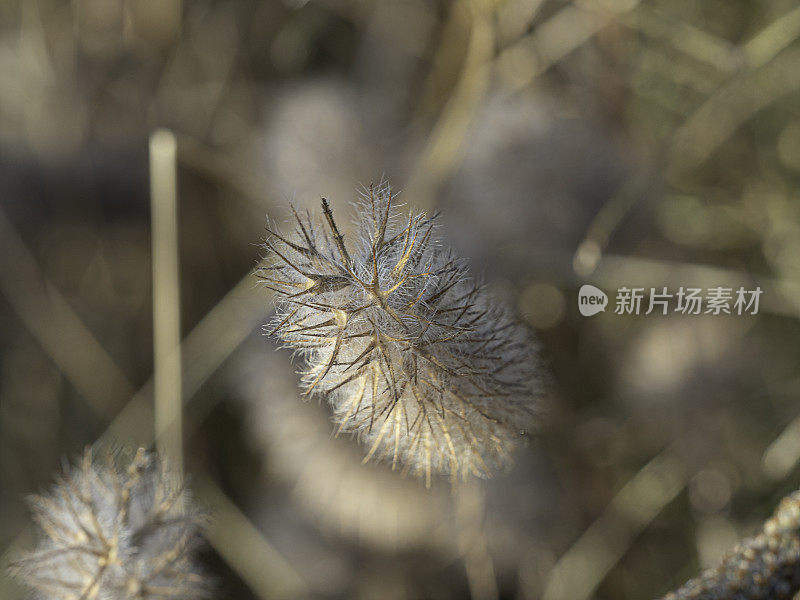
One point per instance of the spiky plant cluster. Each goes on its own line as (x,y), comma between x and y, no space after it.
(413,355)
(114,533)
(763,567)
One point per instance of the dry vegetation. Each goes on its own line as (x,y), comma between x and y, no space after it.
(617,142)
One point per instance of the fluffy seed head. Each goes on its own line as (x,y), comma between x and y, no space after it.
(413,356)
(114,533)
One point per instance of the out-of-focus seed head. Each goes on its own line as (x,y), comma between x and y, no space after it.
(413,355)
(763,567)
(114,532)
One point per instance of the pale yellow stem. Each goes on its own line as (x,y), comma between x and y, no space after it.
(166,297)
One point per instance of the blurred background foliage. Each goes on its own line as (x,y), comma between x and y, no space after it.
(619,142)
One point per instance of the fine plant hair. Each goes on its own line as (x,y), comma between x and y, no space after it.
(115,532)
(763,567)
(413,355)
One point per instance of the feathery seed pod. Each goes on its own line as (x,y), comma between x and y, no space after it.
(414,357)
(763,567)
(114,533)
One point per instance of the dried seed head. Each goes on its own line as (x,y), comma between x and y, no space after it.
(413,356)
(114,533)
(763,567)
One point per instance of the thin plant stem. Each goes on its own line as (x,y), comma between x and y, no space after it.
(166,297)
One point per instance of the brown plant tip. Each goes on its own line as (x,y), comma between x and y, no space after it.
(763,567)
(113,532)
(414,357)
